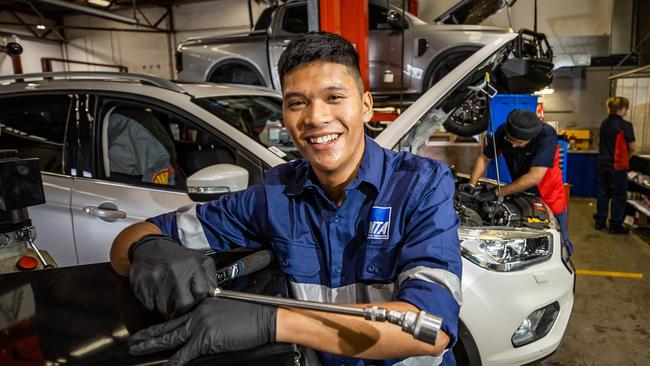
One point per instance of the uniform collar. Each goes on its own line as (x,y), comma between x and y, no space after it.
(370,172)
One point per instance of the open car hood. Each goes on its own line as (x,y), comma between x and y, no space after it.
(418,115)
(470,11)
(514,63)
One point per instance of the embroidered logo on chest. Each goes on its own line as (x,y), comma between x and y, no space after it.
(379,223)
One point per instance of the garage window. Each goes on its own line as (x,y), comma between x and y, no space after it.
(36,127)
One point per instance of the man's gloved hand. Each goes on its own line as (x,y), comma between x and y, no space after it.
(467,188)
(214,326)
(169,277)
(487,196)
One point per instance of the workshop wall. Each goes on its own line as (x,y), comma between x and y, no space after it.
(32,50)
(152,53)
(149,53)
(578,101)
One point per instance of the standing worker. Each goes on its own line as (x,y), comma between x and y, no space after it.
(532,155)
(616,145)
(350,223)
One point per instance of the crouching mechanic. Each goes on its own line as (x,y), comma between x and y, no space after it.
(531,152)
(351,223)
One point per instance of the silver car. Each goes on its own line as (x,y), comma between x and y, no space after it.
(517,279)
(406,55)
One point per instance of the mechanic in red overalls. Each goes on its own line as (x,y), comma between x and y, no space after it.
(616,145)
(531,152)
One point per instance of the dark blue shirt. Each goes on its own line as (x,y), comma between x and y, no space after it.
(540,151)
(610,129)
(394,238)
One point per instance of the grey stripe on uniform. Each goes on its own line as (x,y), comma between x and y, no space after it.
(190,230)
(435,275)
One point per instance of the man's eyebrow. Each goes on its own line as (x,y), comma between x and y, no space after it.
(336,87)
(294,94)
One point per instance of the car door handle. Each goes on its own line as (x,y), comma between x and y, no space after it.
(106,214)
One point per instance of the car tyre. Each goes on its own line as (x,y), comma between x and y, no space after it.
(461,124)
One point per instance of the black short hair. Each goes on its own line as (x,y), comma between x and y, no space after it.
(320,46)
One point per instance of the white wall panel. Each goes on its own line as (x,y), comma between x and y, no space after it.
(148,53)
(32,50)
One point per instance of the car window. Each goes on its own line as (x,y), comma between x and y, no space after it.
(36,127)
(264,20)
(147,145)
(377,15)
(295,19)
(258,117)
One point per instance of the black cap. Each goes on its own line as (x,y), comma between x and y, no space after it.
(523,124)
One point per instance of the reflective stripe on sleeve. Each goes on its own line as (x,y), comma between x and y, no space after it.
(434,275)
(356,293)
(190,230)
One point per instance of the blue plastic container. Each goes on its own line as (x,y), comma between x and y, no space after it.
(500,106)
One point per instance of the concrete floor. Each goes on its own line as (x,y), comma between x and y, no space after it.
(610,322)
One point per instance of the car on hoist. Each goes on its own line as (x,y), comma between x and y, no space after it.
(406,55)
(517,280)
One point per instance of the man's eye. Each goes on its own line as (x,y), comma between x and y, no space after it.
(336,97)
(295,103)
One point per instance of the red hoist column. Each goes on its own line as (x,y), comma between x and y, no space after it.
(348,18)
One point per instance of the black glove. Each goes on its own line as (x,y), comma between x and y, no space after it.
(467,188)
(169,277)
(487,196)
(214,326)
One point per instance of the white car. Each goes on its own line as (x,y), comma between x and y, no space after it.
(205,139)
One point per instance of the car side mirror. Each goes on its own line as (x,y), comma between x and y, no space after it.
(215,180)
(395,20)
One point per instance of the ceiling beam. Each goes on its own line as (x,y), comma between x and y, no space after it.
(40,16)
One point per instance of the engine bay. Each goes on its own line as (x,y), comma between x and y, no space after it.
(522,210)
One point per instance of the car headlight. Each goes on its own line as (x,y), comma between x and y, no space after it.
(505,250)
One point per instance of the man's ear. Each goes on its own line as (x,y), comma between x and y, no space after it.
(367,106)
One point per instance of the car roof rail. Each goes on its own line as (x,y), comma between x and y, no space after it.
(142,78)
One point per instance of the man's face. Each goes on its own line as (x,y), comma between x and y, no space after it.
(516,143)
(323,111)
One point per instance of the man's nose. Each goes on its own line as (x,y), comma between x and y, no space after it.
(318,113)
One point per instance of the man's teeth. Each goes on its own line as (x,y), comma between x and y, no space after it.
(323,139)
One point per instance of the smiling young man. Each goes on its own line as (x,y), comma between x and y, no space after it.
(350,223)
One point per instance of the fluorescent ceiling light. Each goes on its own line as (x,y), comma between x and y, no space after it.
(102,3)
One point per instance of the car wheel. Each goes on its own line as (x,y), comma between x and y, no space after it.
(465,351)
(470,117)
(236,74)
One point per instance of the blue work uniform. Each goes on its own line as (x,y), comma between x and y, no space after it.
(394,238)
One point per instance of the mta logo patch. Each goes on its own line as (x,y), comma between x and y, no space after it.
(379,223)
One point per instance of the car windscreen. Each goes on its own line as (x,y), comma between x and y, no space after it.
(258,117)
